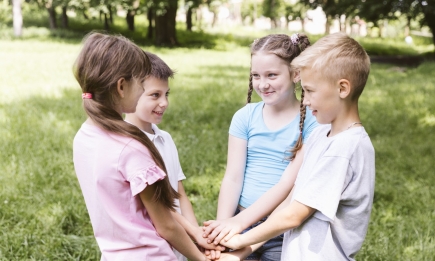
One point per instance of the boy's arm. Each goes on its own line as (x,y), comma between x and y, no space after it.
(262,207)
(288,217)
(186,206)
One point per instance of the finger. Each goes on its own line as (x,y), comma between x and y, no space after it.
(214,233)
(217,254)
(229,235)
(210,228)
(221,235)
(208,222)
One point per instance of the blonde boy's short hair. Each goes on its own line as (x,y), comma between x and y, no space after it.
(337,56)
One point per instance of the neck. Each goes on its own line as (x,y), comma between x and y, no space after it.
(349,118)
(143,125)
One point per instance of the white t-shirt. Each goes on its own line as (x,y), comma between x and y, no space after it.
(337,178)
(166,146)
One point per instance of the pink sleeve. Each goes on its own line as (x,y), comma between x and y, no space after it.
(138,167)
(142,178)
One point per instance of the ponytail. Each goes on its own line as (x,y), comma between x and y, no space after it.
(105,59)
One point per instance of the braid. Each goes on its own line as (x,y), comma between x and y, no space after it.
(299,143)
(248,100)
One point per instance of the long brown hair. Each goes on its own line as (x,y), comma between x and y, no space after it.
(287,49)
(103,60)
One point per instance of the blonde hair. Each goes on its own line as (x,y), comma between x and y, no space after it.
(103,60)
(337,56)
(286,48)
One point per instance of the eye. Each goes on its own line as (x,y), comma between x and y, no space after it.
(255,75)
(155,95)
(167,94)
(271,75)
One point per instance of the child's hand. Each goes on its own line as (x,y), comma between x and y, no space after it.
(212,254)
(237,255)
(216,230)
(202,242)
(233,243)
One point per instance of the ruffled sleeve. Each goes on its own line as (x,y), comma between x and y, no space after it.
(141,179)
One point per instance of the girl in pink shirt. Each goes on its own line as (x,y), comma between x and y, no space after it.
(121,174)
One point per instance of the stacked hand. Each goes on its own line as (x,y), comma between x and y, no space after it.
(217,230)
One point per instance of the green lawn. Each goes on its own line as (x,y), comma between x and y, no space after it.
(43,215)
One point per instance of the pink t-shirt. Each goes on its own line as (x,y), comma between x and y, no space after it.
(112,170)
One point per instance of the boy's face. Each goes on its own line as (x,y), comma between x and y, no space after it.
(321,96)
(154,101)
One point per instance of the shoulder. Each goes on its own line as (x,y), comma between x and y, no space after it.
(348,142)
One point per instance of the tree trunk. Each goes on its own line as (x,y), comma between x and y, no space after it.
(165,26)
(18,18)
(101,15)
(189,19)
(150,16)
(52,17)
(64,17)
(106,22)
(328,24)
(109,7)
(130,19)
(303,24)
(408,25)
(85,15)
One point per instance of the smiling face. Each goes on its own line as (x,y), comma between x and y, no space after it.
(271,78)
(153,102)
(321,96)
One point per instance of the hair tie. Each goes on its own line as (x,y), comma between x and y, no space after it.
(86,95)
(255,41)
(295,38)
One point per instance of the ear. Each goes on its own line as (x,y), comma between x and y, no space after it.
(120,87)
(344,88)
(296,77)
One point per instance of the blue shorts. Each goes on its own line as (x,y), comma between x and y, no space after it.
(271,250)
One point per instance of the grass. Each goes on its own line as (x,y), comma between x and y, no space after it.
(42,212)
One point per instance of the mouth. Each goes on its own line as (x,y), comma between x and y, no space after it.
(159,113)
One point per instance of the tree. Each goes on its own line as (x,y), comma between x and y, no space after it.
(165,31)
(421,10)
(296,10)
(17,18)
(273,9)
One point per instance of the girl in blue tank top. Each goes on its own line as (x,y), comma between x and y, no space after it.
(264,138)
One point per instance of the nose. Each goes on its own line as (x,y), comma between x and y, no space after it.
(164,102)
(306,102)
(264,85)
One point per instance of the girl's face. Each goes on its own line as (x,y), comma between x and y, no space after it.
(133,89)
(271,78)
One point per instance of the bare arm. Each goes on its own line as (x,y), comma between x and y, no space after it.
(168,227)
(262,207)
(232,182)
(288,217)
(186,206)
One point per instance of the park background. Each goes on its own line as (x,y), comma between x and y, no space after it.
(42,211)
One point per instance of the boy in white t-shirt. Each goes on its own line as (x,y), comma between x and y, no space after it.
(149,112)
(326,216)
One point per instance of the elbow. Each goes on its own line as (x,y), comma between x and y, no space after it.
(292,221)
(167,229)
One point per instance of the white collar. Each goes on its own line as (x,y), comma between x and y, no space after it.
(157,133)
